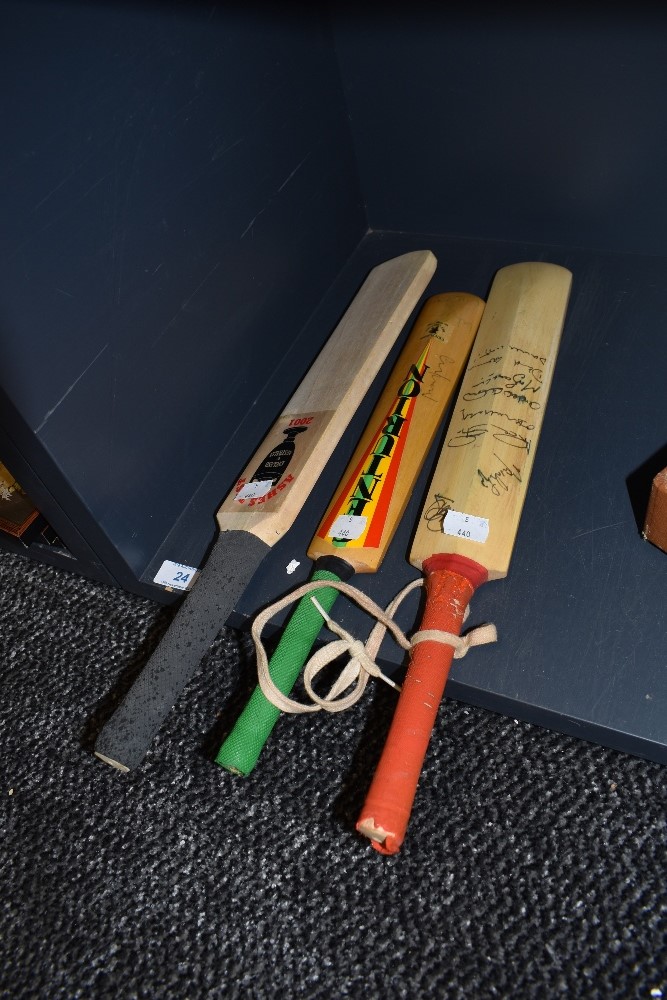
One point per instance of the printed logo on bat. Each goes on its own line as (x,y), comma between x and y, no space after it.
(273,471)
(358,515)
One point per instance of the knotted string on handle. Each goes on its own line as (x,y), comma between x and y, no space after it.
(361,664)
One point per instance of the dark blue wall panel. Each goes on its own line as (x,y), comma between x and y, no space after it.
(503,122)
(178,192)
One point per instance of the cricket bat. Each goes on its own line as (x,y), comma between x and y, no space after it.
(361,519)
(468,525)
(267,497)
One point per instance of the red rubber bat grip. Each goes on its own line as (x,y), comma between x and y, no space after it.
(386,812)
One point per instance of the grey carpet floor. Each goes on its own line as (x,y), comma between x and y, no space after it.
(534,865)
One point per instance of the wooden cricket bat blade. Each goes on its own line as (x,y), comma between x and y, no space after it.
(468,525)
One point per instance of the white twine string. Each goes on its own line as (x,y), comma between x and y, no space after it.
(361,665)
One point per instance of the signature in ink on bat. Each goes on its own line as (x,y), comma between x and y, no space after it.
(484,356)
(437,371)
(496,413)
(522,350)
(486,360)
(434,514)
(537,373)
(497,481)
(471,397)
(519,380)
(468,435)
(511,438)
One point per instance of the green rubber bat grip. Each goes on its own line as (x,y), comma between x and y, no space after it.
(241,749)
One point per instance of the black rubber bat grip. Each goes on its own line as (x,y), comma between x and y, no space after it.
(127,735)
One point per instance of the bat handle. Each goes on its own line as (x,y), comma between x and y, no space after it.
(450,583)
(241,749)
(127,735)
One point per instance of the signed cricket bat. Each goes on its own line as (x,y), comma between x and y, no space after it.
(267,497)
(358,526)
(469,522)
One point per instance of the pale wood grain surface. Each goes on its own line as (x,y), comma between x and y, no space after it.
(485,463)
(331,391)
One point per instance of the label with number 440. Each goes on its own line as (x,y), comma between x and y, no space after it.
(175,576)
(466,526)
